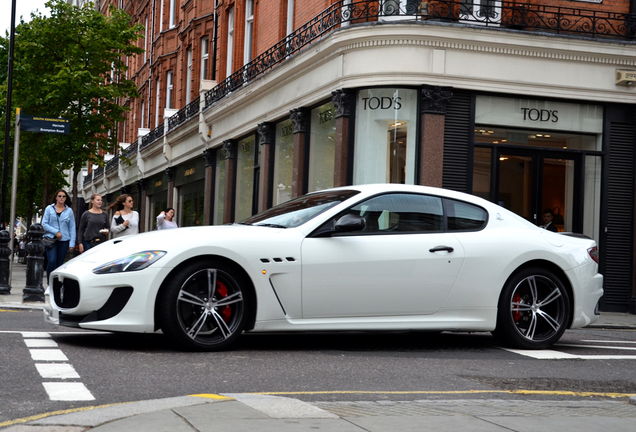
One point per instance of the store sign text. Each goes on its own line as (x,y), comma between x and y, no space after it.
(384,103)
(189,172)
(540,115)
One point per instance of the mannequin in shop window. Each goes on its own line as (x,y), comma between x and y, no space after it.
(548,218)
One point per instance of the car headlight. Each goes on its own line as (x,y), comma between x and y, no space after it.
(134,262)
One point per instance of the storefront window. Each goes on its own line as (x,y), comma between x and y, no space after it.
(157,193)
(220,179)
(283,162)
(386,124)
(482,172)
(322,147)
(191,204)
(245,178)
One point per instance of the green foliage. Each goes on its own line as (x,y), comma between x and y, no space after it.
(71,65)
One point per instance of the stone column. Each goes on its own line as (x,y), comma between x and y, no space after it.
(170,172)
(208,192)
(342,100)
(431,167)
(265,139)
(298,118)
(229,147)
(141,206)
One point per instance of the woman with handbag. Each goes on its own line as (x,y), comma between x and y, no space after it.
(94,225)
(125,220)
(59,223)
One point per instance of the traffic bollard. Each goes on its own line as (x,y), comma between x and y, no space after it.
(33,290)
(5,253)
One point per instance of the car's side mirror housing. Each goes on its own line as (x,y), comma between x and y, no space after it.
(350,223)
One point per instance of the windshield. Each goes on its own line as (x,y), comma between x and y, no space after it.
(298,211)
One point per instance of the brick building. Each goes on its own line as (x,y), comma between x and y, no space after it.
(248,103)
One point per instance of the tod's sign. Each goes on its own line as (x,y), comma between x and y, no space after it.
(527,113)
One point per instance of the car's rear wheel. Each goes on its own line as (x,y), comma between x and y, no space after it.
(534,310)
(204,307)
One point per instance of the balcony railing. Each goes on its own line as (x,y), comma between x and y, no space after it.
(98,172)
(112,163)
(151,137)
(131,150)
(513,15)
(184,114)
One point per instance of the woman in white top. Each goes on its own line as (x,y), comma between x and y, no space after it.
(125,220)
(165,219)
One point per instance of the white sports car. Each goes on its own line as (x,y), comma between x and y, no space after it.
(372,257)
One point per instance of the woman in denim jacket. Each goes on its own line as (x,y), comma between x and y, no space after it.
(59,222)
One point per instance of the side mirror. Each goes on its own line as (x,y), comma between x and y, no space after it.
(350,223)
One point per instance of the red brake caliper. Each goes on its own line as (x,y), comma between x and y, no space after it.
(516,314)
(226,311)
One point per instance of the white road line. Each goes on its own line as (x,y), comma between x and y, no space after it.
(35,334)
(606,341)
(59,391)
(56,370)
(557,355)
(597,346)
(47,355)
(40,343)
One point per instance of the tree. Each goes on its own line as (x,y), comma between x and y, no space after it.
(71,65)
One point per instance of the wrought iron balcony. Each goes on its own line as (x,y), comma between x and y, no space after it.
(98,172)
(152,136)
(131,150)
(112,163)
(483,13)
(88,178)
(184,114)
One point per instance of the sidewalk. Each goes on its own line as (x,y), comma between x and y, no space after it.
(245,412)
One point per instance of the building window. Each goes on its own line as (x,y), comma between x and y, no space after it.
(143,114)
(230,41)
(386,124)
(161,17)
(169,88)
(245,161)
(204,57)
(158,99)
(146,40)
(173,13)
(249,26)
(322,147)
(283,162)
(189,76)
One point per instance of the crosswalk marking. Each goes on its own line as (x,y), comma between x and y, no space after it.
(40,343)
(73,391)
(47,355)
(558,355)
(56,370)
(44,349)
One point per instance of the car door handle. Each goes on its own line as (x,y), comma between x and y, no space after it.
(441,248)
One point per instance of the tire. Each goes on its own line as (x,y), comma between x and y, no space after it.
(205,306)
(534,310)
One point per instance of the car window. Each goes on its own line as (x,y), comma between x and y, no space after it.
(298,211)
(462,216)
(400,213)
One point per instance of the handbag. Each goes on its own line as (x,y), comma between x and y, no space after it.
(49,241)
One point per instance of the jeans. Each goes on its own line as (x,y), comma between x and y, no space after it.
(55,257)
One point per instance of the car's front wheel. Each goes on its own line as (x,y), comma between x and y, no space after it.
(204,307)
(534,310)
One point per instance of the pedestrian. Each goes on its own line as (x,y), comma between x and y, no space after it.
(94,225)
(165,219)
(125,220)
(59,223)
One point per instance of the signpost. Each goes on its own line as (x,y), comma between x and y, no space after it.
(29,124)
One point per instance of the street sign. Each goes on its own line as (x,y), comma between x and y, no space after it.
(44,124)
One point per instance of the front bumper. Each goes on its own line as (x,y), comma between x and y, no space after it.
(113,302)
